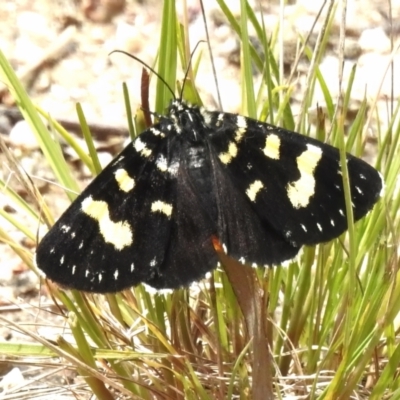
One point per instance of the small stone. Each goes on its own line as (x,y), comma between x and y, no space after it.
(13,379)
(22,136)
(374,40)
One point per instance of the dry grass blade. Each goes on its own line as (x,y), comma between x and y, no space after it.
(251,300)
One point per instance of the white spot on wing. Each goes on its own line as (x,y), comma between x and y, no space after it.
(162,163)
(174,168)
(272,147)
(125,182)
(65,228)
(303,227)
(141,148)
(253,189)
(116,274)
(119,234)
(319,227)
(157,132)
(73,270)
(300,191)
(241,122)
(162,207)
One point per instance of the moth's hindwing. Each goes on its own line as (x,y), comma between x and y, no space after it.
(152,214)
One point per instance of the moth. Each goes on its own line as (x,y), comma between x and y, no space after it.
(152,214)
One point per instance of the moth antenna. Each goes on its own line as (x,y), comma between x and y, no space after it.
(147,66)
(189,66)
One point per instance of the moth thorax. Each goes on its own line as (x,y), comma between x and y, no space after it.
(191,122)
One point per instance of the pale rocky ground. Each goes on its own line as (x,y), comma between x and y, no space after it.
(83,71)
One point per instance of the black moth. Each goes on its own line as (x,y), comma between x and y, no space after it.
(152,214)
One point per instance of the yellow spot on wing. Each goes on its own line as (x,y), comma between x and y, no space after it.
(241,128)
(253,189)
(125,182)
(226,158)
(160,206)
(272,146)
(119,234)
(300,191)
